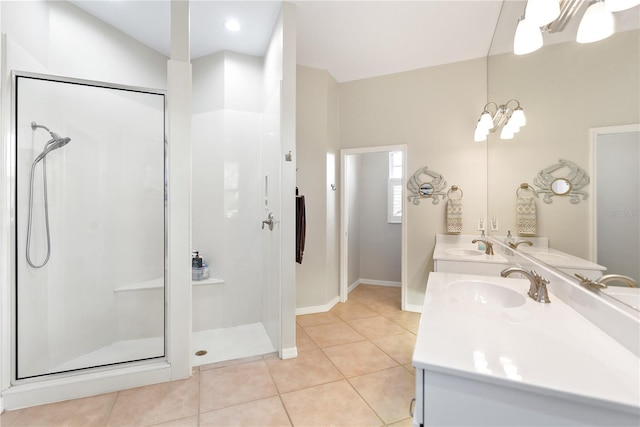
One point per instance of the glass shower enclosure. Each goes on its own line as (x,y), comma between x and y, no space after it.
(89,215)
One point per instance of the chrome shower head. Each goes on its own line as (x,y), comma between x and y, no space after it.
(56,141)
(54,144)
(35,126)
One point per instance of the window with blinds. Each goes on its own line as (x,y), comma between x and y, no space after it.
(394,188)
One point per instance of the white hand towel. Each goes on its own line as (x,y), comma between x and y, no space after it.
(454,216)
(526,219)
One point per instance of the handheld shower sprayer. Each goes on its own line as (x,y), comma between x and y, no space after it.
(54,143)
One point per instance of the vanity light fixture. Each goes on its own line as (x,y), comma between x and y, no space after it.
(542,12)
(528,37)
(509,116)
(620,5)
(596,24)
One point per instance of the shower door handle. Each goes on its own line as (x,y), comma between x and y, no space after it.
(268,221)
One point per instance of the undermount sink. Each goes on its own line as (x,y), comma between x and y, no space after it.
(484,293)
(463,252)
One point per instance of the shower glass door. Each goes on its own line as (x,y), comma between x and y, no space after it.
(89,225)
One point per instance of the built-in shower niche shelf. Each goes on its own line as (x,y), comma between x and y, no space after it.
(210,281)
(159,284)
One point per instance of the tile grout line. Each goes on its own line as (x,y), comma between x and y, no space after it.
(199,394)
(113,405)
(273,380)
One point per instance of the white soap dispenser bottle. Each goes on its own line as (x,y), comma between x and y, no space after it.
(508,241)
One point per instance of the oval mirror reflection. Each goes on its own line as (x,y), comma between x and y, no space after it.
(560,186)
(426,190)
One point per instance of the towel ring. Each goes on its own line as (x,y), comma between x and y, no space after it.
(455,188)
(526,187)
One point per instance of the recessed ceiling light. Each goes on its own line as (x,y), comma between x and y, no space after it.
(232,25)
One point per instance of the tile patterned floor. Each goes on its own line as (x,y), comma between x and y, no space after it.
(353,369)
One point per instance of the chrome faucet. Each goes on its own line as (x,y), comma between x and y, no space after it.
(620,278)
(538,284)
(601,283)
(519,242)
(593,285)
(489,245)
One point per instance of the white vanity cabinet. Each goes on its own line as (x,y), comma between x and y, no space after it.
(487,357)
(456,254)
(567,263)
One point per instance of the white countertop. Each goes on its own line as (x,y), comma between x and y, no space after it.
(556,258)
(541,348)
(446,252)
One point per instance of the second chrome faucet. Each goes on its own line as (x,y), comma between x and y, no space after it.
(538,284)
(488,244)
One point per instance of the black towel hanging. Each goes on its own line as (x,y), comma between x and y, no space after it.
(301,226)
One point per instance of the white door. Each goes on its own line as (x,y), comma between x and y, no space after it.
(617,202)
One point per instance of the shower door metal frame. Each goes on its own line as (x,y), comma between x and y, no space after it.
(12,163)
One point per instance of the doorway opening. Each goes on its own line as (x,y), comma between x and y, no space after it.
(615,229)
(373,225)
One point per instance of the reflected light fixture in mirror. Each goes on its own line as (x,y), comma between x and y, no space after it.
(510,116)
(596,24)
(528,37)
(620,5)
(542,12)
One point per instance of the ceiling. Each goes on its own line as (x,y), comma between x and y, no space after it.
(351,39)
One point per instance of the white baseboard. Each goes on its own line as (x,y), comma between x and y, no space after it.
(289,353)
(318,308)
(353,286)
(373,282)
(413,307)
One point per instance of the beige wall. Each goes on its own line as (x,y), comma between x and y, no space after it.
(565,89)
(317,156)
(434,112)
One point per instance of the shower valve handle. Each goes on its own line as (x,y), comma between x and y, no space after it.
(268,221)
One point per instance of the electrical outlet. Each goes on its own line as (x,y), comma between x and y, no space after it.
(480,224)
(494,224)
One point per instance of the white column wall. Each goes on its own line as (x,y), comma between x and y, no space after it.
(317,278)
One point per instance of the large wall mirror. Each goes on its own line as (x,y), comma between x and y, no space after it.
(566,89)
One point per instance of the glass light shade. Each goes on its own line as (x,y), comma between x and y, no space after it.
(596,24)
(541,12)
(480,134)
(620,5)
(512,127)
(518,117)
(528,38)
(506,133)
(486,121)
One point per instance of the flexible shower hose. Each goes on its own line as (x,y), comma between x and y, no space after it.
(46,213)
